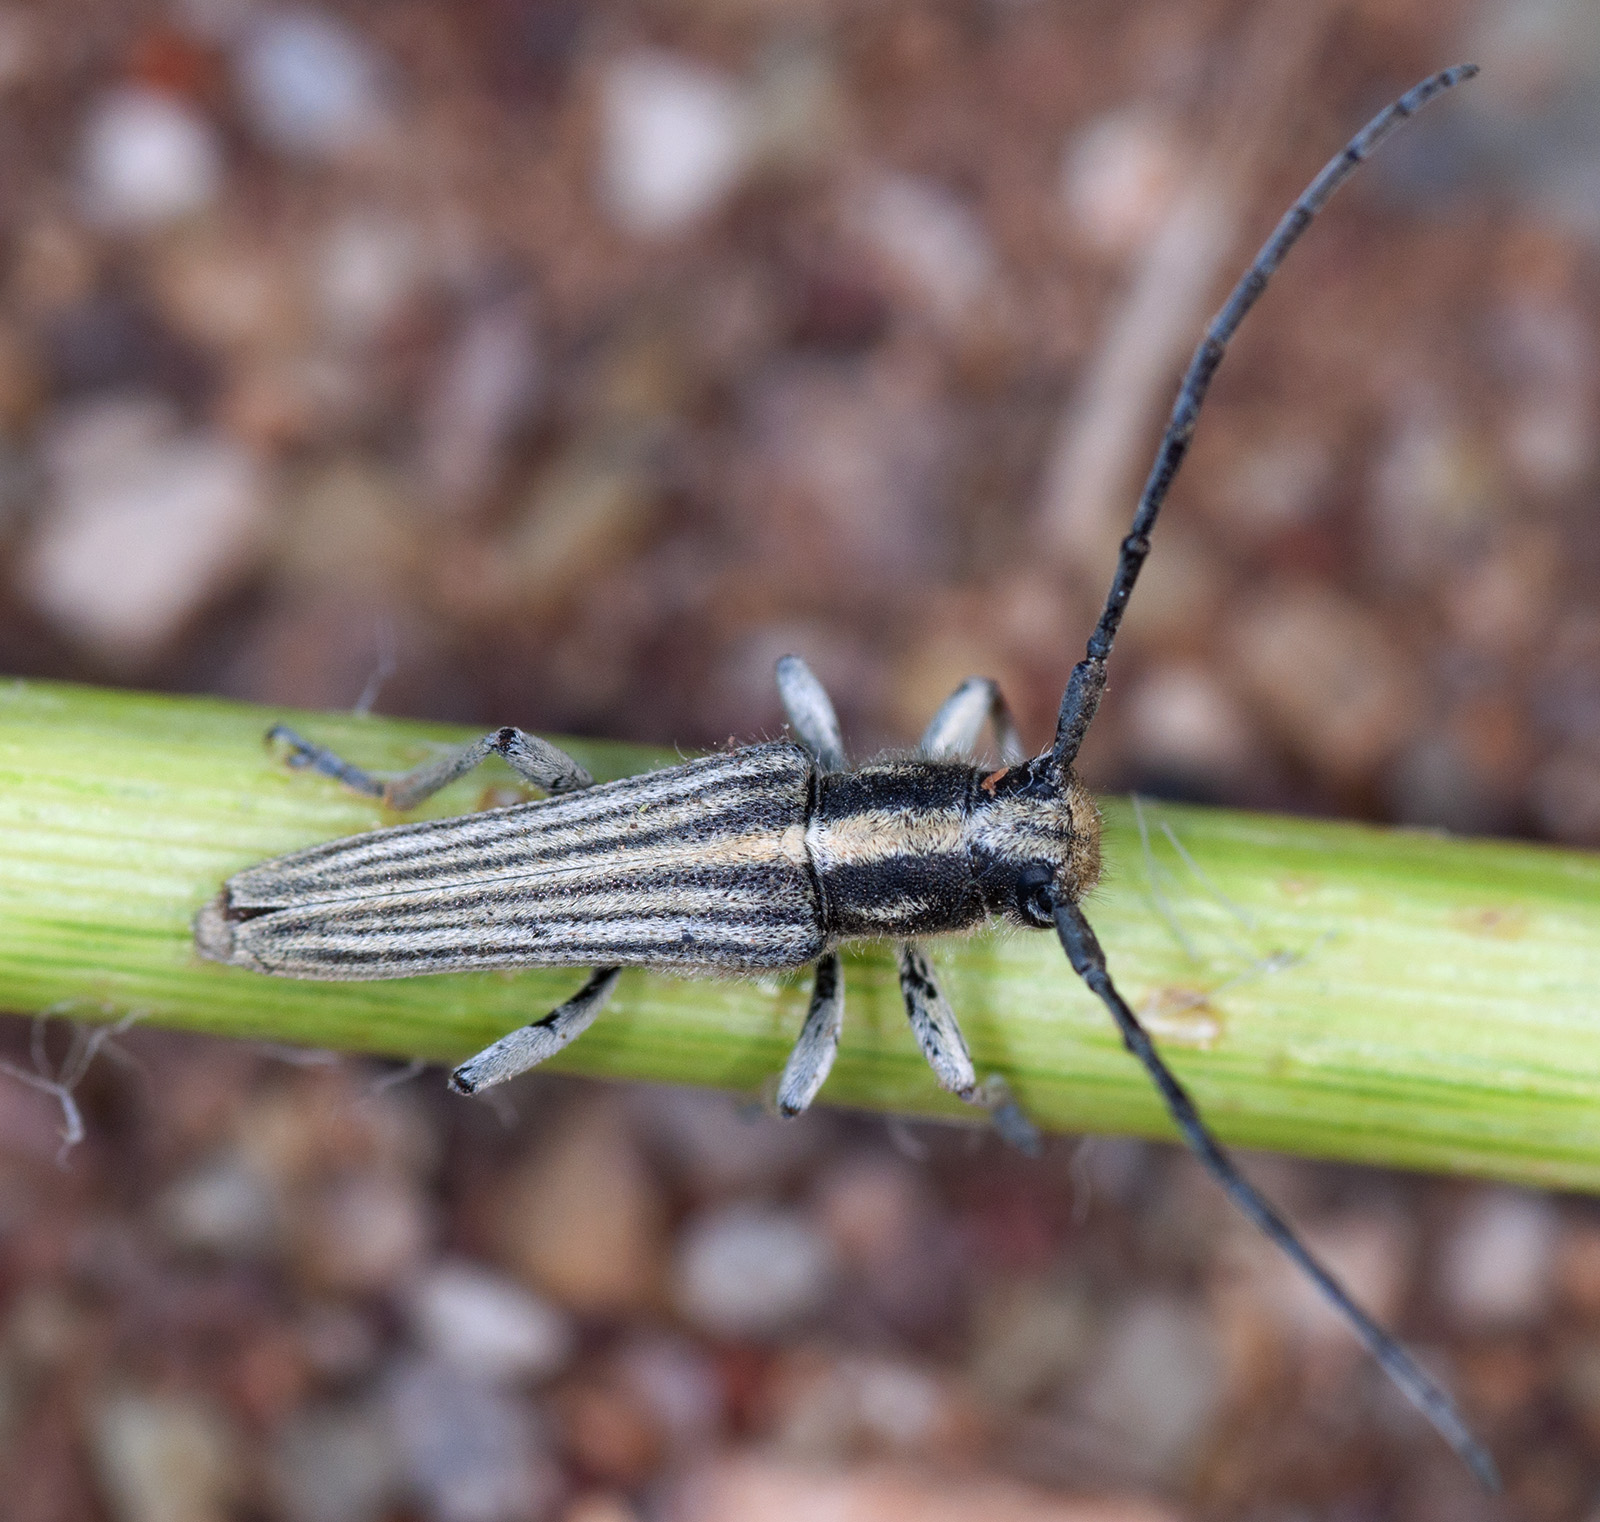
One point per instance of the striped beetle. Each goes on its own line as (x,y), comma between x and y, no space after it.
(770,856)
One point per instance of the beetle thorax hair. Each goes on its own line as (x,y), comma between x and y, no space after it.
(1035,820)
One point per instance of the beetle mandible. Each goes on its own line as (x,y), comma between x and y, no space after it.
(770,856)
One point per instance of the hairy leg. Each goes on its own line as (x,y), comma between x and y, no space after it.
(933,1023)
(535,760)
(533,1043)
(954,730)
(810,712)
(818,1043)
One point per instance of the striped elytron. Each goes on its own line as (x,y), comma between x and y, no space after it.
(738,863)
(772,855)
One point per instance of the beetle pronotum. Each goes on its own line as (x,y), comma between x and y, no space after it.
(772,855)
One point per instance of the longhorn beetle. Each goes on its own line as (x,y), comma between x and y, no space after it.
(772,855)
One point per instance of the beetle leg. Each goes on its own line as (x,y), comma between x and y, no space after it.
(302,753)
(529,1046)
(810,712)
(818,1043)
(933,1023)
(1016,1130)
(954,730)
(535,760)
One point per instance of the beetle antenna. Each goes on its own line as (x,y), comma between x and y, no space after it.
(1089,962)
(1088,679)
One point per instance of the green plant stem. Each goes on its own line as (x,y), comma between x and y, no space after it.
(1327,989)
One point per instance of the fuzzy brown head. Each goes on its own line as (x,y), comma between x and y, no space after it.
(1035,836)
(213,930)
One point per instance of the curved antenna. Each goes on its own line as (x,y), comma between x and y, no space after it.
(1088,679)
(1089,962)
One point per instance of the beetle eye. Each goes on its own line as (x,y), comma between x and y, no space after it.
(1033,898)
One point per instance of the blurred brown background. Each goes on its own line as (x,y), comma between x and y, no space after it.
(523,361)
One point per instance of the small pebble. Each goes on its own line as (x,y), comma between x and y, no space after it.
(582,1217)
(1277,482)
(1497,1266)
(677,1382)
(336,1464)
(484,388)
(1565,796)
(743,1487)
(311,86)
(472,1452)
(609,1433)
(1325,670)
(873,1208)
(599,1506)
(341,1343)
(1547,353)
(45,1328)
(360,1233)
(1184,725)
(223,1206)
(165,1458)
(147,158)
(714,1145)
(1430,495)
(1577,1268)
(227,289)
(746,1270)
(1551,442)
(1027,1338)
(144,526)
(903,1407)
(367,268)
(1118,176)
(675,138)
(487,1326)
(831,1410)
(933,242)
(905,1261)
(1436,782)
(1156,1386)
